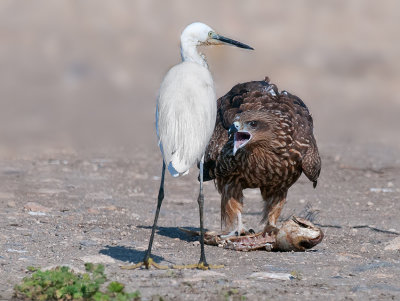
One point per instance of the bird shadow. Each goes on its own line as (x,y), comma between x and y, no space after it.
(132,255)
(174,232)
(127,254)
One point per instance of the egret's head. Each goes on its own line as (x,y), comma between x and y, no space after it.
(201,34)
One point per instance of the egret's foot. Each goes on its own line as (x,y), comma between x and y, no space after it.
(200,266)
(150,262)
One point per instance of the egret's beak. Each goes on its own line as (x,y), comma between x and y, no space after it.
(222,40)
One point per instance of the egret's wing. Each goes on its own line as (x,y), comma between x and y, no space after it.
(185,117)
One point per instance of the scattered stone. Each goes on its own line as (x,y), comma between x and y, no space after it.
(36,213)
(135,216)
(111,207)
(267,275)
(35,207)
(11,204)
(51,191)
(350,255)
(393,245)
(88,243)
(383,276)
(53,162)
(372,266)
(93,210)
(342,258)
(101,161)
(96,230)
(98,259)
(16,251)
(11,172)
(98,196)
(6,195)
(370,203)
(204,275)
(381,190)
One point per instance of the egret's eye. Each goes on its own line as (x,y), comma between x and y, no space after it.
(210,34)
(253,124)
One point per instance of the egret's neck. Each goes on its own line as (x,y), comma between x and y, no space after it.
(189,53)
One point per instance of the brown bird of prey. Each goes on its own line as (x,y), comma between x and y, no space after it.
(263,139)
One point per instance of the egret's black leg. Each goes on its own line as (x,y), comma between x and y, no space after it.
(203,262)
(200,200)
(159,202)
(147,261)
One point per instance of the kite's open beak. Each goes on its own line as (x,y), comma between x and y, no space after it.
(241,138)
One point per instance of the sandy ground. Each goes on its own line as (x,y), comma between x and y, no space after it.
(78,84)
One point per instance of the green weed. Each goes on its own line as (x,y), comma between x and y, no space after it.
(61,283)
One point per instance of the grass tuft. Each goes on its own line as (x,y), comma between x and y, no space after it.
(62,283)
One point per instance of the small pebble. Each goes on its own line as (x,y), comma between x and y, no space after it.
(33,206)
(88,243)
(98,259)
(16,251)
(266,275)
(36,213)
(11,204)
(93,211)
(393,245)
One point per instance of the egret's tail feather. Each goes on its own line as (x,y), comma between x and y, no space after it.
(175,173)
(172,170)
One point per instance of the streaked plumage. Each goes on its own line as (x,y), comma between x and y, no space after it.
(270,145)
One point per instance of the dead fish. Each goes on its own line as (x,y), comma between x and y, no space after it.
(296,234)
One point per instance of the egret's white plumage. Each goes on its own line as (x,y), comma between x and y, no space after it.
(186,105)
(186,112)
(185,116)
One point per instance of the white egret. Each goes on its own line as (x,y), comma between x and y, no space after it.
(185,117)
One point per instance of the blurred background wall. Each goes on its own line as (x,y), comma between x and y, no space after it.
(83,75)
